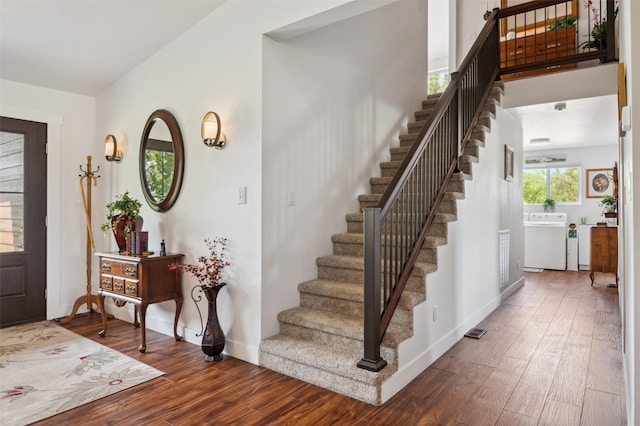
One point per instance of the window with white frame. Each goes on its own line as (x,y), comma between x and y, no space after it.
(559,182)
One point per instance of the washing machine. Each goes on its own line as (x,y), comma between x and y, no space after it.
(545,241)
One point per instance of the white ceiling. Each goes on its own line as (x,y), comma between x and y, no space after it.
(584,122)
(83,46)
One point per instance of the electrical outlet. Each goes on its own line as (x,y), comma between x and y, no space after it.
(242,195)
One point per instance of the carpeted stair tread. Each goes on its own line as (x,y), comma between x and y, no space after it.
(339,324)
(329,359)
(430,102)
(357,263)
(353,292)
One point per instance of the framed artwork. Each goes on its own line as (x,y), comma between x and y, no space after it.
(508,163)
(599,182)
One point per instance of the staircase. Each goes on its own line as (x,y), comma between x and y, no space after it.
(321,341)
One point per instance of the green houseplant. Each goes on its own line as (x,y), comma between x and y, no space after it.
(608,203)
(598,38)
(122,217)
(549,205)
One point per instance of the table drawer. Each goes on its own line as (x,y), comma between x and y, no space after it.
(106,282)
(129,270)
(118,285)
(131,288)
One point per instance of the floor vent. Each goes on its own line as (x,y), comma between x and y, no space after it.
(476,333)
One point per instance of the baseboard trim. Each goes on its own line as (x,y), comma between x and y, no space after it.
(413,368)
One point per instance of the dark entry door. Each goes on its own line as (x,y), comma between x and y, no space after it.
(23,201)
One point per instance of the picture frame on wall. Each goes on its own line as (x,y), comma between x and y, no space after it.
(599,182)
(508,163)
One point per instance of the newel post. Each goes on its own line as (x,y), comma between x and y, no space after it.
(372,360)
(611,31)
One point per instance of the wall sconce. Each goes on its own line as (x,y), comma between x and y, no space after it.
(111,152)
(210,131)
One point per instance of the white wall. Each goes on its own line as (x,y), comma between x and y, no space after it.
(599,157)
(630,199)
(466,287)
(334,102)
(201,71)
(468,268)
(469,24)
(70,122)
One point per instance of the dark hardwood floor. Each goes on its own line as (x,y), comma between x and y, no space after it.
(551,356)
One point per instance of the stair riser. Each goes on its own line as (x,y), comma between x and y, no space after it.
(398,156)
(472,150)
(428,255)
(415,127)
(388,171)
(378,188)
(438,230)
(354,227)
(356,276)
(401,317)
(466,167)
(408,140)
(423,114)
(339,384)
(318,336)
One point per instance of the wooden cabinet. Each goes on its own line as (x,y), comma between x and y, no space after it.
(141,281)
(604,251)
(539,47)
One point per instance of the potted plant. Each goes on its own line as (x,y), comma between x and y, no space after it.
(598,38)
(209,272)
(123,217)
(549,205)
(609,204)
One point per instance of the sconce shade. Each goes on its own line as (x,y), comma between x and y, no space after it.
(111,152)
(211,131)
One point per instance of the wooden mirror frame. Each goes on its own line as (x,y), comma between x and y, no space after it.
(178,163)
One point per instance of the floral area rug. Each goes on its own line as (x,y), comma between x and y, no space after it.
(46,369)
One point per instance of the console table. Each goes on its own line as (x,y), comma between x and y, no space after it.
(141,281)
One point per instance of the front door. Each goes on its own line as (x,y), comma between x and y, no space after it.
(23,201)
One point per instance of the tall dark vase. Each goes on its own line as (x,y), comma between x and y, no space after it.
(213,339)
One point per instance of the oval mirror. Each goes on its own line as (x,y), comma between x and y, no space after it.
(161,160)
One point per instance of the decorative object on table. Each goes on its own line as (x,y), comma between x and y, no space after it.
(209,274)
(89,176)
(549,205)
(163,248)
(47,370)
(573,231)
(599,182)
(122,218)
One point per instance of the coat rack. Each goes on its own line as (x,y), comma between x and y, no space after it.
(90,177)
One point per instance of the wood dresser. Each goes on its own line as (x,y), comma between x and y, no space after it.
(604,251)
(141,281)
(538,47)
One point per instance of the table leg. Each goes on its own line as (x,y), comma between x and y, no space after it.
(136,315)
(143,314)
(591,275)
(103,332)
(175,321)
